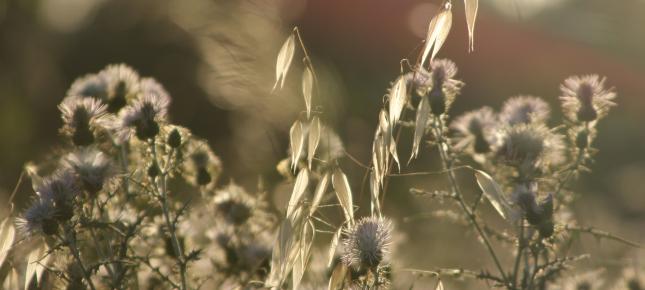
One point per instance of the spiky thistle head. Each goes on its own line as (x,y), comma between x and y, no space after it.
(150,86)
(444,88)
(631,278)
(82,118)
(585,98)
(39,218)
(92,167)
(524,110)
(142,117)
(476,130)
(530,146)
(60,188)
(91,85)
(367,243)
(233,204)
(202,167)
(123,86)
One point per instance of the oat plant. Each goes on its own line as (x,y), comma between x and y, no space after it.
(129,200)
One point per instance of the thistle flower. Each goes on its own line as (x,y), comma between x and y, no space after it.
(476,130)
(123,86)
(91,85)
(529,146)
(150,86)
(524,110)
(584,281)
(438,85)
(82,117)
(60,189)
(233,204)
(443,87)
(585,98)
(367,243)
(631,279)
(142,118)
(202,167)
(92,167)
(40,217)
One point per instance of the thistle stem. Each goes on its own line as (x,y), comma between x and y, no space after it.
(70,241)
(160,185)
(438,131)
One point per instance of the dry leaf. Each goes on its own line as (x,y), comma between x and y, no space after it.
(471,16)
(337,277)
(318,195)
(344,194)
(302,259)
(314,139)
(11,281)
(375,190)
(398,97)
(439,286)
(494,194)
(34,260)
(423,113)
(307,88)
(297,140)
(438,30)
(333,245)
(285,56)
(7,235)
(299,189)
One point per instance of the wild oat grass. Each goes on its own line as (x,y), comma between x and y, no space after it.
(133,201)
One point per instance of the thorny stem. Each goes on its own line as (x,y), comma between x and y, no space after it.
(441,142)
(160,186)
(70,241)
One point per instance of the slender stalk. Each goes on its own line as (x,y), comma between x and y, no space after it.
(160,185)
(438,131)
(520,248)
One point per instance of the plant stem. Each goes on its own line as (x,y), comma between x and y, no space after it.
(160,185)
(520,249)
(70,241)
(438,126)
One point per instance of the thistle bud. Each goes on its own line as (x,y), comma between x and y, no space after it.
(174,139)
(153,170)
(546,229)
(582,139)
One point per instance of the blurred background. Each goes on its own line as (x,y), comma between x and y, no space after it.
(217,60)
